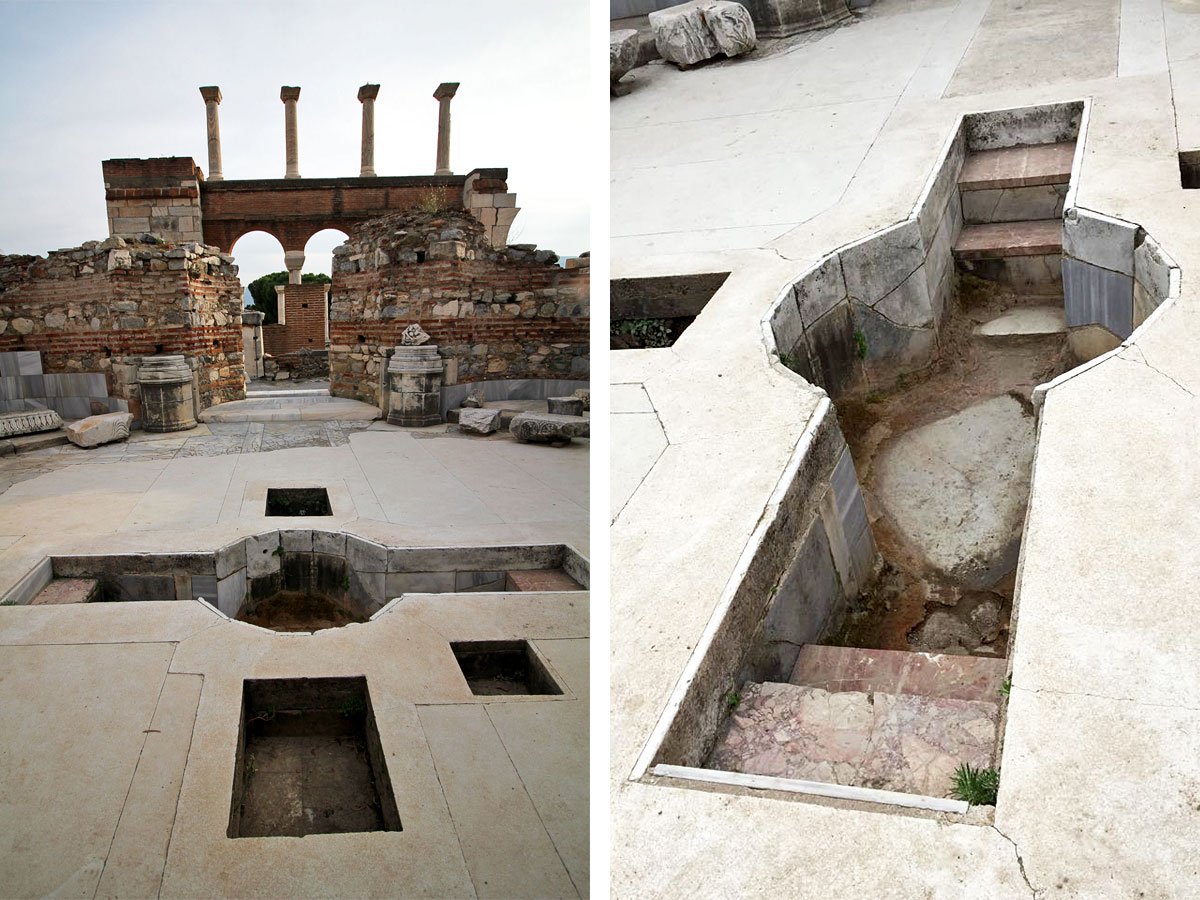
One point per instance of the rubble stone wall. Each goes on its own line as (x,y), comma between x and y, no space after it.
(494,314)
(102,306)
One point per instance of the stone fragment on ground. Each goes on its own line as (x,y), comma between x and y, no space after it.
(15,424)
(585,395)
(894,742)
(564,406)
(681,34)
(96,430)
(622,55)
(731,27)
(546,428)
(479,421)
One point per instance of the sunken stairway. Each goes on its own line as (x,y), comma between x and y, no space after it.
(886,719)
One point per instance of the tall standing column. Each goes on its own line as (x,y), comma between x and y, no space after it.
(366,96)
(444,93)
(289,96)
(212,99)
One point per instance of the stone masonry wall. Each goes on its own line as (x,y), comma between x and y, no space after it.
(102,306)
(161,196)
(494,314)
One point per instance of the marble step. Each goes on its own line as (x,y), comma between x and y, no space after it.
(1016,167)
(1024,323)
(840,669)
(1002,240)
(895,742)
(540,580)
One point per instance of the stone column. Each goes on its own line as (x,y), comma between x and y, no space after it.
(444,93)
(415,386)
(212,99)
(289,96)
(366,96)
(165,383)
(252,343)
(293,261)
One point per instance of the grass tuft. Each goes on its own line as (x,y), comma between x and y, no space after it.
(976,786)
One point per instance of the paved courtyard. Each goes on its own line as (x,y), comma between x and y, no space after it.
(121,719)
(759,167)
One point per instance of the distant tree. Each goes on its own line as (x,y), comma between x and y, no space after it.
(262,290)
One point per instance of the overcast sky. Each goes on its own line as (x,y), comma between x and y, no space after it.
(81,82)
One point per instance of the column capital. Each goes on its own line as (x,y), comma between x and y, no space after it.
(211,94)
(368,92)
(446,90)
(289,93)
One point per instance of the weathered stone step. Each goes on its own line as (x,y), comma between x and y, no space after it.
(29,442)
(895,742)
(67,590)
(1023,323)
(295,392)
(1012,167)
(540,580)
(1000,240)
(841,669)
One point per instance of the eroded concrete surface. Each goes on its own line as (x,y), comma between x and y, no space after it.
(761,166)
(120,720)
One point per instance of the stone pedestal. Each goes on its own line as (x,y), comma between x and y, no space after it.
(415,386)
(166,388)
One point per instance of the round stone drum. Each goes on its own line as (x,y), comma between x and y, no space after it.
(166,387)
(415,386)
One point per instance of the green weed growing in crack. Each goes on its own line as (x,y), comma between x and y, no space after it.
(860,344)
(1006,686)
(733,700)
(976,786)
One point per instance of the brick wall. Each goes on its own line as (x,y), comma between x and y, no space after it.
(494,314)
(102,306)
(293,210)
(153,196)
(304,310)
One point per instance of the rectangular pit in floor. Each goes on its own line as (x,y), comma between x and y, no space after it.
(335,578)
(503,668)
(298,502)
(647,313)
(1189,169)
(309,761)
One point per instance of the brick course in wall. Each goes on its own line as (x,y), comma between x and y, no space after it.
(102,306)
(494,314)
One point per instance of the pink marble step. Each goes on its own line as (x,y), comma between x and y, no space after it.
(66,590)
(1040,237)
(941,675)
(894,742)
(1011,167)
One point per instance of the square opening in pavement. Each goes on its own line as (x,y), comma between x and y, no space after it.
(298,502)
(496,668)
(1189,169)
(648,313)
(309,761)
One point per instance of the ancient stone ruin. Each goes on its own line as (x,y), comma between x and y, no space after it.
(422,248)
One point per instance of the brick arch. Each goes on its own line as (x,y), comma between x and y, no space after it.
(294,210)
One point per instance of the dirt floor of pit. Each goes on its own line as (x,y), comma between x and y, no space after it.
(913,605)
(297,611)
